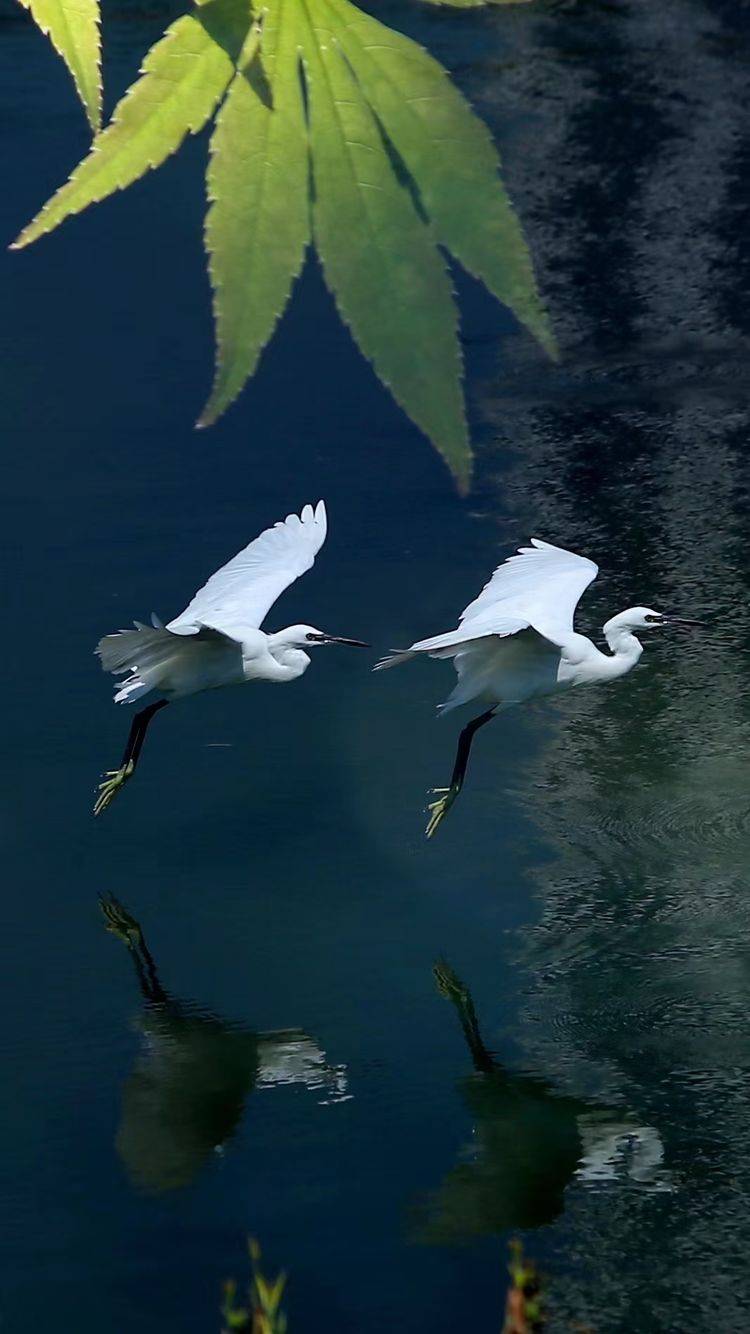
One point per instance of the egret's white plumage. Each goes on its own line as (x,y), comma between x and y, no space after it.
(517,640)
(240,595)
(217,640)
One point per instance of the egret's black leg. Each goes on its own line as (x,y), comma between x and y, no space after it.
(463,749)
(439,809)
(138,730)
(114,779)
(456,991)
(123,925)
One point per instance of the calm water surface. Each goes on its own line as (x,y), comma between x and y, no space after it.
(591,888)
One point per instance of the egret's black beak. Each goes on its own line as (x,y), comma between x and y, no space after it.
(336,639)
(680,620)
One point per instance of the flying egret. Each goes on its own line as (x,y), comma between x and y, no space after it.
(217,640)
(516,641)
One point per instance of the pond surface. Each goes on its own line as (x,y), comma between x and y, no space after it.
(282,1062)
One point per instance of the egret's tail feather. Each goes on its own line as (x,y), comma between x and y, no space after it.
(439,646)
(393,659)
(464,691)
(131,689)
(142,652)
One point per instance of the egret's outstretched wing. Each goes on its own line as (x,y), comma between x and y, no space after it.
(240,594)
(158,659)
(541,586)
(448,645)
(536,590)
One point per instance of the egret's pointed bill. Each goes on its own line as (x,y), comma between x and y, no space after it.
(336,639)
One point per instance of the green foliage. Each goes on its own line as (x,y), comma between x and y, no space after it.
(183,79)
(335,129)
(73,29)
(258,226)
(263,1314)
(524,1309)
(378,253)
(450,156)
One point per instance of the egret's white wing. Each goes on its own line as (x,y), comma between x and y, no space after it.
(541,587)
(240,594)
(158,659)
(448,645)
(504,668)
(538,589)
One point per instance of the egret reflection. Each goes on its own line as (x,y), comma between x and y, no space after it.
(529,1144)
(186,1095)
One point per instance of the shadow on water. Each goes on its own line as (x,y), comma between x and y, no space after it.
(530,1142)
(614,828)
(638,982)
(186,1096)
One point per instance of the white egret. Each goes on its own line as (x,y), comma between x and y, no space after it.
(516,641)
(217,640)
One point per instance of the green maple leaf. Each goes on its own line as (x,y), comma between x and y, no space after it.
(258,225)
(184,77)
(451,157)
(378,254)
(73,29)
(331,128)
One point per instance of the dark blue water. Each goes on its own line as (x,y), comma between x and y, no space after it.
(591,888)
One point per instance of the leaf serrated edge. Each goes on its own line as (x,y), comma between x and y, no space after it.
(93,111)
(539,327)
(462,467)
(38,227)
(214,409)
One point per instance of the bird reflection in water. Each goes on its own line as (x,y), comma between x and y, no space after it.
(185,1097)
(529,1144)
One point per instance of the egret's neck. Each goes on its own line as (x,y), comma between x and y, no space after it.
(626,649)
(289,660)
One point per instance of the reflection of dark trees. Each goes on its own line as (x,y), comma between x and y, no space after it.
(186,1095)
(631,178)
(529,1142)
(633,184)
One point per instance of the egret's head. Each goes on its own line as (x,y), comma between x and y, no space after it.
(644,618)
(306,637)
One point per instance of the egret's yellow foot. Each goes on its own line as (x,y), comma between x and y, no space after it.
(449,983)
(120,922)
(114,779)
(439,809)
